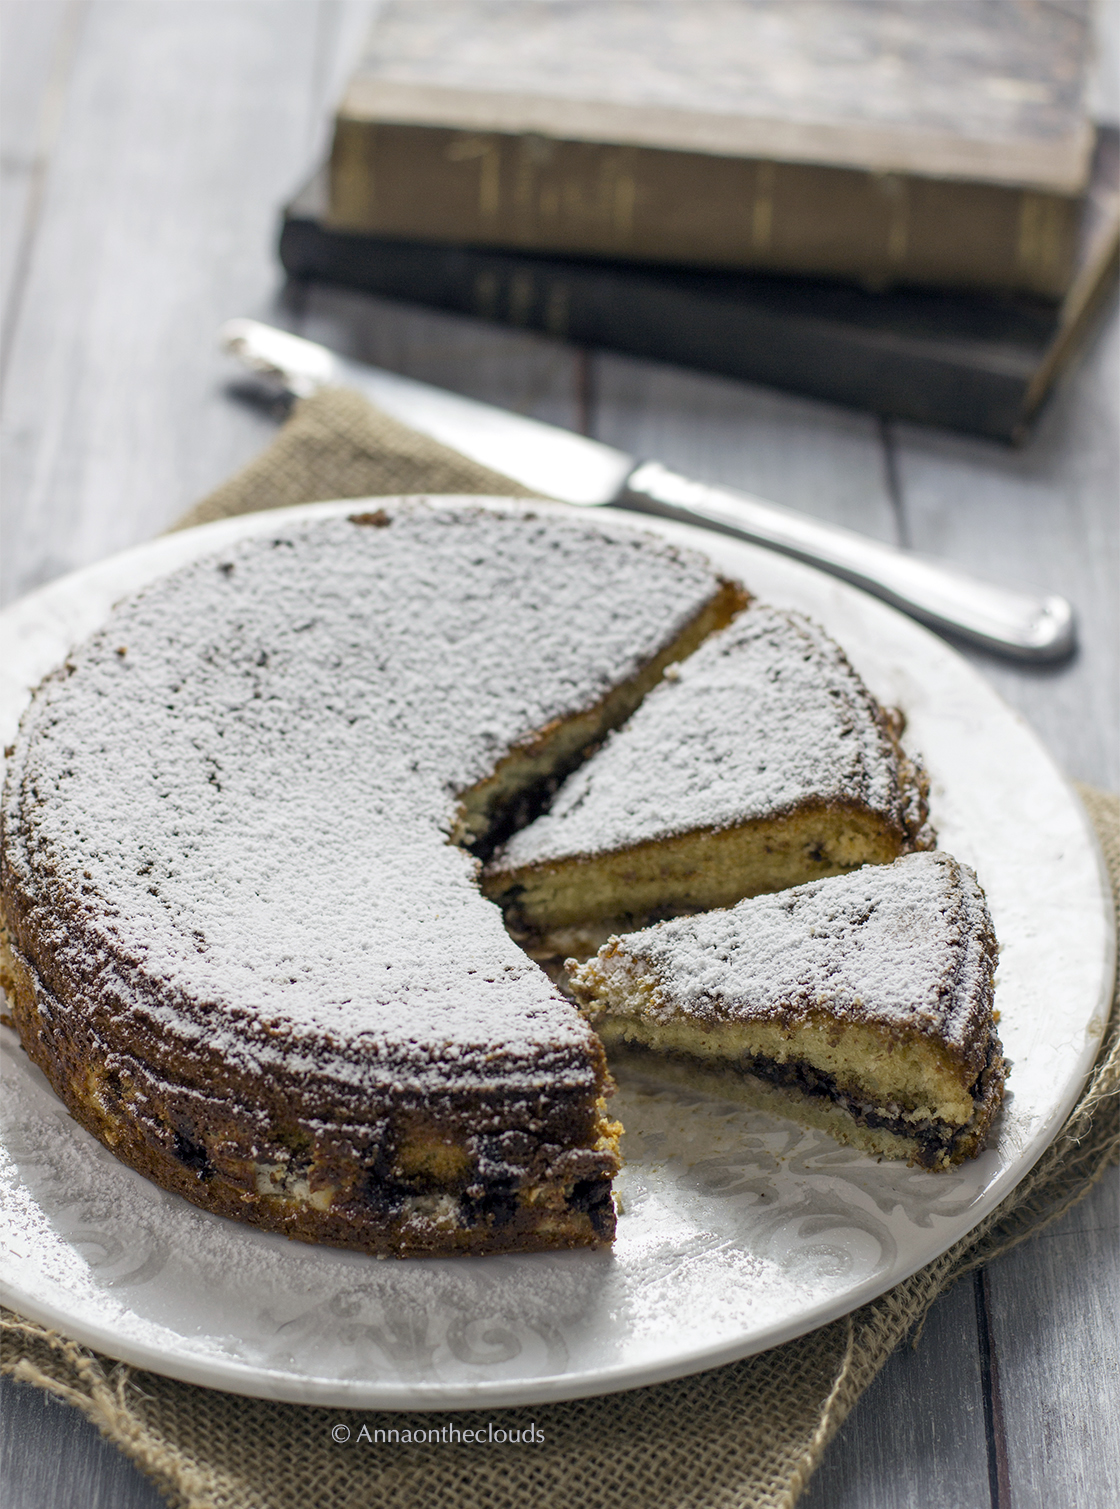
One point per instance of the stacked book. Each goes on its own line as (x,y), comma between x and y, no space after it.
(896,204)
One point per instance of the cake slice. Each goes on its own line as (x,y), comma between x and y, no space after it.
(760,762)
(860,1004)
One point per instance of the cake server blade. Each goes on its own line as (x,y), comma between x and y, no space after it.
(576,469)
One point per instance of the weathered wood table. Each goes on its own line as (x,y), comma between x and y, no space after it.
(147,147)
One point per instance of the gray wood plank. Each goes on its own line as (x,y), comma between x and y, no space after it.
(1103,94)
(513,368)
(184,127)
(52,1457)
(916,1438)
(1044,516)
(343,27)
(813,456)
(1053,1306)
(37,39)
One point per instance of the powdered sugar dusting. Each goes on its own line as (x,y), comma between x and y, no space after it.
(766,715)
(908,946)
(242,787)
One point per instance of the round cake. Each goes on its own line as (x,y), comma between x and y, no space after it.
(243,840)
(247,944)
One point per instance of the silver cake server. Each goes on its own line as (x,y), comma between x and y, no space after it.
(560,464)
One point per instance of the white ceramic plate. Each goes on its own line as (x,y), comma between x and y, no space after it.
(737,1231)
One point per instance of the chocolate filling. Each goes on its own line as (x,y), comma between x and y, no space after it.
(193,1155)
(593,1197)
(490,1201)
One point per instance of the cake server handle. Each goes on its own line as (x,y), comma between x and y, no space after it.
(1018,624)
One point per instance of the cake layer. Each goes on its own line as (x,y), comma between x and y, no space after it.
(240,936)
(861,1003)
(759,763)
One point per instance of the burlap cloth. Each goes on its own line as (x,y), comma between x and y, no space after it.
(746,1436)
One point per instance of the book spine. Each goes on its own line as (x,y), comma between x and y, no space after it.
(574,198)
(699,321)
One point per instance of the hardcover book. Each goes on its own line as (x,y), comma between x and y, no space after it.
(883,141)
(981,362)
